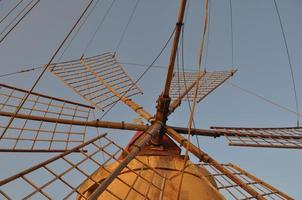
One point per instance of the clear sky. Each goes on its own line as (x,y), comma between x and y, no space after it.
(259,56)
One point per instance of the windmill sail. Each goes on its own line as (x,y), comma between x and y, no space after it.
(25,134)
(100,79)
(152,166)
(209,81)
(232,190)
(290,137)
(75,176)
(232,181)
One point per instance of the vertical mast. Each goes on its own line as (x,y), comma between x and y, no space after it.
(178,27)
(164,99)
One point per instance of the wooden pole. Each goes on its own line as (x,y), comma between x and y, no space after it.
(163,101)
(142,127)
(178,27)
(100,124)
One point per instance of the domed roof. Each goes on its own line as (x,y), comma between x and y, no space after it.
(196,181)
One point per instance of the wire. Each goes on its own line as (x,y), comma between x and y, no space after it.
(289,60)
(232,33)
(12,10)
(126,27)
(197,85)
(78,30)
(44,70)
(21,71)
(28,69)
(98,27)
(14,26)
(263,98)
(16,17)
(252,93)
(208,37)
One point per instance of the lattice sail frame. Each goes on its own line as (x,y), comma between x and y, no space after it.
(101,79)
(208,82)
(287,137)
(26,135)
(71,175)
(63,175)
(230,190)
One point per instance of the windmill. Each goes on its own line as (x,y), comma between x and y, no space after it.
(151,166)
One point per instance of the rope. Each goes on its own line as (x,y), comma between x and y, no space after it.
(65,49)
(20,72)
(252,93)
(14,26)
(127,25)
(289,61)
(78,30)
(208,37)
(12,10)
(232,34)
(98,27)
(263,98)
(192,111)
(44,70)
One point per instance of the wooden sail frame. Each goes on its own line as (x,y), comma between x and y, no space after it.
(278,137)
(249,191)
(100,79)
(209,81)
(26,135)
(149,133)
(99,153)
(231,190)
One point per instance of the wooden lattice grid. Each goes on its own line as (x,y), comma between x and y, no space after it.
(208,82)
(101,80)
(26,135)
(230,190)
(70,175)
(287,137)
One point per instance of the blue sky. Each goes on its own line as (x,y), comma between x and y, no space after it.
(259,56)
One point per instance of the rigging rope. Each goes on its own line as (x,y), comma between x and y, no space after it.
(99,26)
(252,93)
(14,26)
(263,98)
(208,37)
(78,30)
(21,71)
(289,60)
(126,27)
(45,68)
(192,111)
(183,71)
(12,10)
(232,33)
